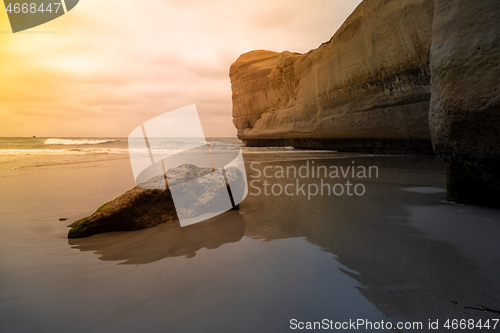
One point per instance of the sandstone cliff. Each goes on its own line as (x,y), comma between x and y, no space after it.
(367,89)
(465,105)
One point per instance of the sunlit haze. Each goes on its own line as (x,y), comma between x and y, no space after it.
(107,66)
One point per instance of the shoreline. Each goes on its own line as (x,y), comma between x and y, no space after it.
(353,145)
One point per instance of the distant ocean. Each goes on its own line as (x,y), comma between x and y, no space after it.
(62,146)
(87,145)
(26,153)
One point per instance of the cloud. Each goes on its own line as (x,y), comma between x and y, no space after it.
(110,65)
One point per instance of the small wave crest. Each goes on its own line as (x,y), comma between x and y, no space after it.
(72,151)
(74,142)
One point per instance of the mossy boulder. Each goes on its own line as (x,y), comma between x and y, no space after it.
(198,192)
(136,209)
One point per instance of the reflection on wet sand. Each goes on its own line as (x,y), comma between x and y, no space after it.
(407,269)
(402,269)
(164,241)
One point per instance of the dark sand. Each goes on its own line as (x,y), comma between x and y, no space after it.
(398,253)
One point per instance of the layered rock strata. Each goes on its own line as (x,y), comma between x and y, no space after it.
(367,89)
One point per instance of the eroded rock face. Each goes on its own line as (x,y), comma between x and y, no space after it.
(465,106)
(367,89)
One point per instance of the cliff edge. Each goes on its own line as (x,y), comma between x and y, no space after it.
(367,89)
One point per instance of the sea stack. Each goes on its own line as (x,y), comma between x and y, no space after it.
(367,89)
(465,105)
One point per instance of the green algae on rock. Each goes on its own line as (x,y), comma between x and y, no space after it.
(134,210)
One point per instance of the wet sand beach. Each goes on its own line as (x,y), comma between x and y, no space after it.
(398,253)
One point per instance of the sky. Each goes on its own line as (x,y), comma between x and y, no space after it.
(106,67)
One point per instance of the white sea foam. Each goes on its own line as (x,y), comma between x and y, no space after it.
(52,141)
(7,152)
(20,152)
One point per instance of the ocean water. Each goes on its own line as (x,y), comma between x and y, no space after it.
(61,146)
(26,153)
(398,253)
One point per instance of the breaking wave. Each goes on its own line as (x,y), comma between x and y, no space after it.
(75,142)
